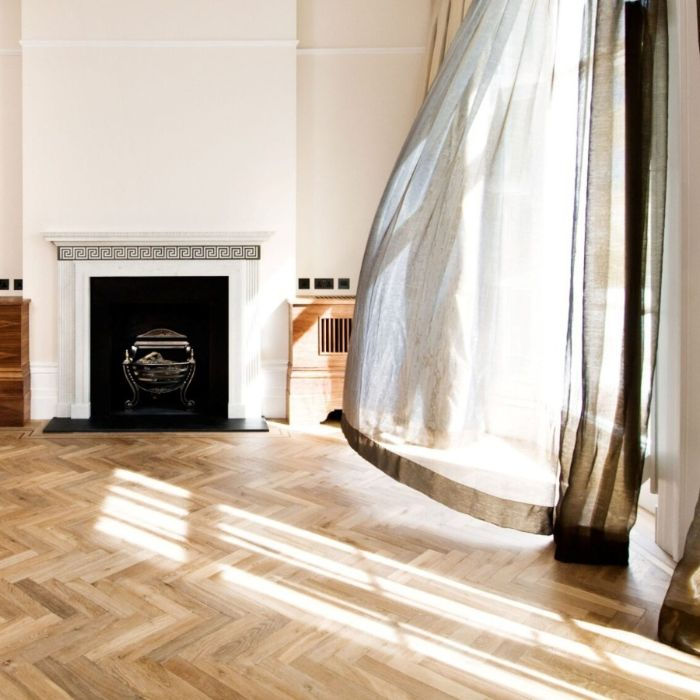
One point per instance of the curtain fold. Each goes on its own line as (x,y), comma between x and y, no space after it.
(454,376)
(616,284)
(447,16)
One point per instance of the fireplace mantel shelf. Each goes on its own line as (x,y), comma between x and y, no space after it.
(105,238)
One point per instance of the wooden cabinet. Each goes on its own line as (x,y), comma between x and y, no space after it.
(14,361)
(320,330)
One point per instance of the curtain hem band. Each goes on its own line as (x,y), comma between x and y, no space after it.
(526,517)
(679,629)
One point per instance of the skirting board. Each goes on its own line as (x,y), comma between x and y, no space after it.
(274,388)
(44,384)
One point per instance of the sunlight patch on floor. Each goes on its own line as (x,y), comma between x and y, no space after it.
(149,501)
(152,515)
(150,483)
(382,560)
(136,512)
(141,539)
(476,663)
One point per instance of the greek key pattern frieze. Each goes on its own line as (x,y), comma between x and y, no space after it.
(79,253)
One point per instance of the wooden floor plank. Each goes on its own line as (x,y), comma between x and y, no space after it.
(281,565)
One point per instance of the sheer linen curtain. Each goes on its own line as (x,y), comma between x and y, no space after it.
(506,322)
(616,278)
(456,372)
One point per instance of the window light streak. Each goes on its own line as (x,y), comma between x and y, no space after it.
(290,529)
(474,662)
(307,603)
(663,678)
(249,546)
(462,587)
(488,622)
(628,638)
(493,660)
(149,501)
(608,662)
(422,600)
(141,539)
(386,561)
(343,604)
(549,642)
(144,517)
(266,551)
(300,555)
(154,484)
(635,640)
(659,676)
(368,621)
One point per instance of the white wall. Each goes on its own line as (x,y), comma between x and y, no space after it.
(157,115)
(138,118)
(10,143)
(159,19)
(678,375)
(361,67)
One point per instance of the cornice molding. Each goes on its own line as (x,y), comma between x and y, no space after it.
(362,51)
(214,44)
(159,44)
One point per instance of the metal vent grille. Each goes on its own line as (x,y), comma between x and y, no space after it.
(334,335)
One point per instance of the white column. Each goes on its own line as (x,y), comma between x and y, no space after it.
(66,338)
(252,394)
(80,408)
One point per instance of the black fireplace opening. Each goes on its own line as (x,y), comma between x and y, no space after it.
(159,348)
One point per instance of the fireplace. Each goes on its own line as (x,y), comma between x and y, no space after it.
(159,345)
(141,266)
(149,373)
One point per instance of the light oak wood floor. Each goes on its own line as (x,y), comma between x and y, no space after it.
(283,566)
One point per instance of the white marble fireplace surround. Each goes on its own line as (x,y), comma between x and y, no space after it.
(235,255)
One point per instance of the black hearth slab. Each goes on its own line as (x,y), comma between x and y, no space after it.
(157,424)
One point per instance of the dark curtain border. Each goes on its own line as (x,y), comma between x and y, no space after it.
(593,527)
(679,620)
(525,517)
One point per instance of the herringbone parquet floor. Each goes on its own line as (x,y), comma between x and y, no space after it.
(283,566)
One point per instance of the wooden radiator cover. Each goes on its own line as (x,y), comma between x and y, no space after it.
(14,361)
(320,329)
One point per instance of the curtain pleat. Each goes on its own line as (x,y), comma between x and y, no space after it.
(447,17)
(597,269)
(616,280)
